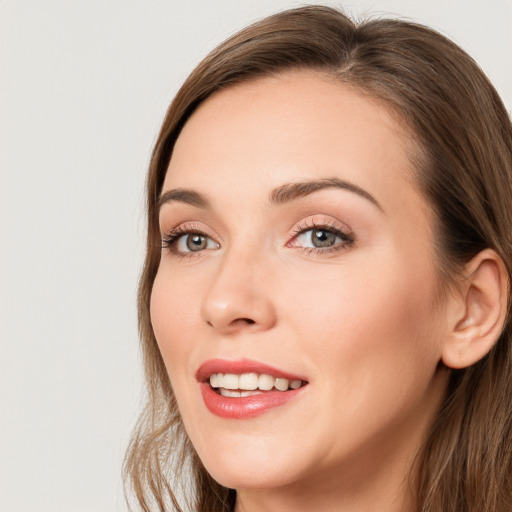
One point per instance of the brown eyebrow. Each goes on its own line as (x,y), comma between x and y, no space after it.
(183,195)
(291,191)
(282,194)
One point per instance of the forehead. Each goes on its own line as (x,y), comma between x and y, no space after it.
(295,126)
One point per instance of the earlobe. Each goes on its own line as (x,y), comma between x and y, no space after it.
(476,327)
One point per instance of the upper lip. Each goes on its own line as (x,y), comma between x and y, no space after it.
(241,366)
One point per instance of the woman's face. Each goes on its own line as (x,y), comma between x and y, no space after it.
(298,252)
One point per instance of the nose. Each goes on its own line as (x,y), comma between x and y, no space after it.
(239,297)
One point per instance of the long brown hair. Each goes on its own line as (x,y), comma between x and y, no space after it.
(463,165)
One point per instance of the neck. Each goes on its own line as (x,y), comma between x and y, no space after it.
(383,489)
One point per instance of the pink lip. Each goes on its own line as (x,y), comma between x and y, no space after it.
(243,407)
(242,366)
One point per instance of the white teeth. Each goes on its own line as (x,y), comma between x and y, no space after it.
(237,394)
(248,381)
(230,384)
(230,381)
(214,380)
(295,384)
(282,384)
(265,382)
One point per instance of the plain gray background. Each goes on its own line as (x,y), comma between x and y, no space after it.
(83,88)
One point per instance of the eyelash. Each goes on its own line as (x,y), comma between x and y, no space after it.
(348,239)
(169,240)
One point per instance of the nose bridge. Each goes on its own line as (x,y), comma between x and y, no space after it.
(239,295)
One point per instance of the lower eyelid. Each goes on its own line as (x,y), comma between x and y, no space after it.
(344,241)
(178,236)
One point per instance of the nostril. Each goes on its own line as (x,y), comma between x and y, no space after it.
(248,321)
(242,321)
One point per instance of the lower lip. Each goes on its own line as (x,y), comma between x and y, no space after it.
(240,408)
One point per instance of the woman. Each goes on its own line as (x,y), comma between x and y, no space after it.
(324,302)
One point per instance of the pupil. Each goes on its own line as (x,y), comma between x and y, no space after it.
(322,238)
(196,242)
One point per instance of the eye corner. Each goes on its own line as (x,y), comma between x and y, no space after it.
(188,239)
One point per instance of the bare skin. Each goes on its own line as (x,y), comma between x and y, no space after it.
(336,284)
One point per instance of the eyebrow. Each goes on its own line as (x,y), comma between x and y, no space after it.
(280,195)
(291,191)
(183,195)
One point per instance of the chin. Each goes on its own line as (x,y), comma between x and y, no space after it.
(256,478)
(255,468)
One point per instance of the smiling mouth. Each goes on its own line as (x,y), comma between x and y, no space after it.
(234,385)
(244,389)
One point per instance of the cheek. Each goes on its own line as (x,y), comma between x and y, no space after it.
(173,317)
(364,317)
(372,339)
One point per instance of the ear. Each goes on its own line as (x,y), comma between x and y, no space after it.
(480,312)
